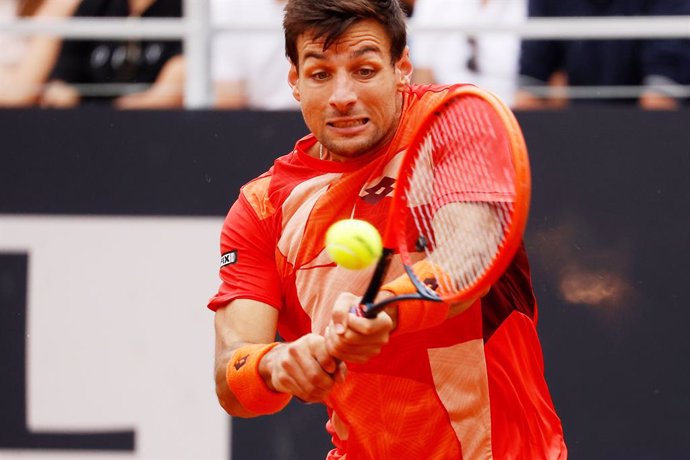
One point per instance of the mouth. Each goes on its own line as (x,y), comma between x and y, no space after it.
(348,123)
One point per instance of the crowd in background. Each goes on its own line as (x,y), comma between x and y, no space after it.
(249,69)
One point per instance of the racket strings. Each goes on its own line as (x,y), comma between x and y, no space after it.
(452,192)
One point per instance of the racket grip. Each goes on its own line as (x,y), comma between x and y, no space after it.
(363,311)
(357,310)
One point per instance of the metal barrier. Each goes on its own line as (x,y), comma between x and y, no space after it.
(196,31)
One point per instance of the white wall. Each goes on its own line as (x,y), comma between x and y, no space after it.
(119,337)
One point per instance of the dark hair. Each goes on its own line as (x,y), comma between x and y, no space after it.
(331,18)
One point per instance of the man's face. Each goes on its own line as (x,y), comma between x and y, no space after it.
(350,93)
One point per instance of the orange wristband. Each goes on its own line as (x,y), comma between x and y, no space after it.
(426,272)
(242,375)
(415,315)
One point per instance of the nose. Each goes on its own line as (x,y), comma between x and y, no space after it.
(344,95)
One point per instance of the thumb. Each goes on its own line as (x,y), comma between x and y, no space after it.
(339,319)
(341,311)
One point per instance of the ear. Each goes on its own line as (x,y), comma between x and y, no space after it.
(404,68)
(293,80)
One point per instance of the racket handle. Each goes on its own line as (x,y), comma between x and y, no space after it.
(371,310)
(365,311)
(358,310)
(377,278)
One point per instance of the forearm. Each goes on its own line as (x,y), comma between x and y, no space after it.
(166,92)
(14,93)
(241,325)
(226,397)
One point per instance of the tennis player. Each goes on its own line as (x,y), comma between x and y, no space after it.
(464,385)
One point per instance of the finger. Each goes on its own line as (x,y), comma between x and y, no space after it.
(338,344)
(357,350)
(341,372)
(287,374)
(339,321)
(363,329)
(283,382)
(296,384)
(324,358)
(352,346)
(340,315)
(382,323)
(309,374)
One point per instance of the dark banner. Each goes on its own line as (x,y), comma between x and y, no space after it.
(136,163)
(607,237)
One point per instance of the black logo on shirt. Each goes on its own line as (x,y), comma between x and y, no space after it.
(228,258)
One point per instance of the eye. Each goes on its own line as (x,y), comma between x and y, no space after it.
(366,72)
(319,76)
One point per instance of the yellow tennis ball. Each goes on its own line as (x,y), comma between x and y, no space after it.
(353,243)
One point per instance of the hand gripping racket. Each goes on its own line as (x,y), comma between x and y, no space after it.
(461,201)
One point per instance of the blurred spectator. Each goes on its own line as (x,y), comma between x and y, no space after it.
(488,60)
(658,65)
(26,62)
(155,64)
(249,67)
(12,47)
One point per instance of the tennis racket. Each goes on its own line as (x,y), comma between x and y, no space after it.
(461,201)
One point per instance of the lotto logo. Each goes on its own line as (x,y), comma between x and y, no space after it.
(241,362)
(379,191)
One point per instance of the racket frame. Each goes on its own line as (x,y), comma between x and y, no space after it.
(395,237)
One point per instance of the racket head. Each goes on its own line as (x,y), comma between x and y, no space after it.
(462,193)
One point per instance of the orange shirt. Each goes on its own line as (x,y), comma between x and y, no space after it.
(472,387)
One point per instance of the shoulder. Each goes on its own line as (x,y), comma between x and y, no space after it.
(423,98)
(267,192)
(419,92)
(61,8)
(256,194)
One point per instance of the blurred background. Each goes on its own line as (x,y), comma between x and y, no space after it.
(127,127)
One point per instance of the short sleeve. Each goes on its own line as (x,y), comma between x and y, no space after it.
(247,259)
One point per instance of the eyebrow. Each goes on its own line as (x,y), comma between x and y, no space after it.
(314,55)
(364,50)
(355,54)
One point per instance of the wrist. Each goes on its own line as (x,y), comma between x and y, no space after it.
(415,315)
(245,380)
(265,367)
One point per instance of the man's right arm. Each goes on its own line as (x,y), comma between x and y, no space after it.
(302,368)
